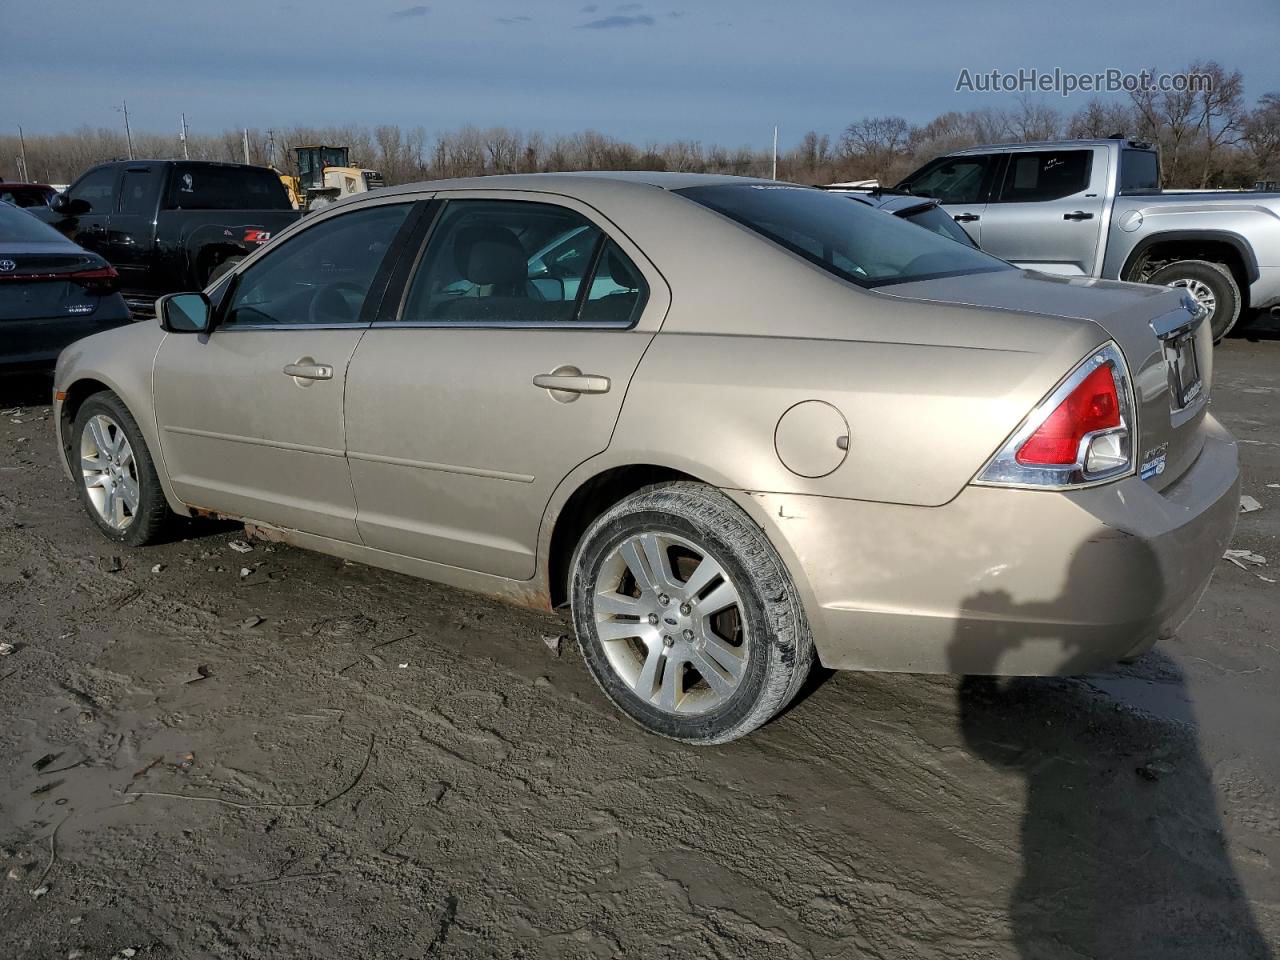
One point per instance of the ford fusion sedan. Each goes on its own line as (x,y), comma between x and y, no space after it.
(733,425)
(52,292)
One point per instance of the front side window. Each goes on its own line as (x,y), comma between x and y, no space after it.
(1046,175)
(513,261)
(320,276)
(852,241)
(95,190)
(952,180)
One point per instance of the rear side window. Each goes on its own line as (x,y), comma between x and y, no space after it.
(138,191)
(208,187)
(513,262)
(1139,171)
(1045,175)
(952,179)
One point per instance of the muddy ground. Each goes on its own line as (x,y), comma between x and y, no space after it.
(318,759)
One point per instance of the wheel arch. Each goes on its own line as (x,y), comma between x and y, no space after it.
(1216,246)
(589,498)
(73,395)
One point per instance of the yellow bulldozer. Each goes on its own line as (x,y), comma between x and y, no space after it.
(324,175)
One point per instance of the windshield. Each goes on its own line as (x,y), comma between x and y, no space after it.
(196,186)
(847,239)
(18,226)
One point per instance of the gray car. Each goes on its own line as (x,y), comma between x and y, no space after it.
(750,425)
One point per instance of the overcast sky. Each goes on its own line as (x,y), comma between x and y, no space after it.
(713,70)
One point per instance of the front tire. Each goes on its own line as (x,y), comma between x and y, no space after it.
(686,615)
(116,478)
(1211,284)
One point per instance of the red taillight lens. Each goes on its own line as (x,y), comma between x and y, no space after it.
(100,280)
(1091,406)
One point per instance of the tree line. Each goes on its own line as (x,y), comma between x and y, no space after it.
(1207,138)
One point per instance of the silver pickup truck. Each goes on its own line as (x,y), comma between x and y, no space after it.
(1095,208)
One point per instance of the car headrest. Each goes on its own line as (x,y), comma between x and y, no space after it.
(488,254)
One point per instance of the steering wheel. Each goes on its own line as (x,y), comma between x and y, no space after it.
(328,305)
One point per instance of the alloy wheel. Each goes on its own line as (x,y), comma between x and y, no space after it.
(671,623)
(109,470)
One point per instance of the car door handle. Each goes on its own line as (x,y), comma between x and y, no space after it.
(966,217)
(1077,215)
(571,380)
(308,371)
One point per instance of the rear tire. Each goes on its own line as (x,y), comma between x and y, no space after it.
(709,640)
(116,478)
(1211,284)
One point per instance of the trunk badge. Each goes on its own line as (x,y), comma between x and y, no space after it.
(7,266)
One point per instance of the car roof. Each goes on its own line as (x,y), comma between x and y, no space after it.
(1055,144)
(23,185)
(595,180)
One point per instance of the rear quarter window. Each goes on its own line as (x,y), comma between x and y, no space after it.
(197,187)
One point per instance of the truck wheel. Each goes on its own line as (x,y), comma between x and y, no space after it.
(221,270)
(1211,284)
(686,615)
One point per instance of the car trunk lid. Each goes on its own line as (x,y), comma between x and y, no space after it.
(40,281)
(1166,350)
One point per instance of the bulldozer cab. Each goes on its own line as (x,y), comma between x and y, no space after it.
(312,161)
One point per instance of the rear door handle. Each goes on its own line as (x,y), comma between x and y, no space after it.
(568,379)
(1077,215)
(307,370)
(966,217)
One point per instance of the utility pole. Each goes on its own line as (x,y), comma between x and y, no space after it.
(128,134)
(271,148)
(246,144)
(775,152)
(26,173)
(183,137)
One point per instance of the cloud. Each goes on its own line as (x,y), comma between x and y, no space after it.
(407,12)
(513,20)
(609,23)
(591,8)
(630,6)
(676,14)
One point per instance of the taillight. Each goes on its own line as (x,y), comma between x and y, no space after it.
(1080,434)
(100,280)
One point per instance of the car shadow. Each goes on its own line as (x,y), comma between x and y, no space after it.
(1123,854)
(1264,326)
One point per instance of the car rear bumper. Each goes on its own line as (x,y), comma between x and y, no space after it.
(36,343)
(1000,581)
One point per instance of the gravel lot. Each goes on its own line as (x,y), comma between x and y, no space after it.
(318,759)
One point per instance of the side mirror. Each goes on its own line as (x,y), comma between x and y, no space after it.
(185,313)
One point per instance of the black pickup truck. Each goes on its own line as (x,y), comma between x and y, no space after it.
(170,225)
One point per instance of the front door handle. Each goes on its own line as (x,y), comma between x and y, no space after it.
(1077,215)
(966,217)
(307,369)
(566,383)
